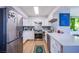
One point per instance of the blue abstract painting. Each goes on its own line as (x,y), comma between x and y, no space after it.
(64,19)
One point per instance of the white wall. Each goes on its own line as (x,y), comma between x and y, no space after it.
(56,15)
(74,11)
(30,21)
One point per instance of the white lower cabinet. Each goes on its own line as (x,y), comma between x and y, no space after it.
(54,46)
(63,43)
(28,35)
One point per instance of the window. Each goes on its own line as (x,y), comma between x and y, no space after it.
(74,24)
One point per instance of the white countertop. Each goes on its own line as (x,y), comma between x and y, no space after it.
(65,39)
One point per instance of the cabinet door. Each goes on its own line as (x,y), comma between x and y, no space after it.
(55,46)
(27,22)
(52,46)
(28,35)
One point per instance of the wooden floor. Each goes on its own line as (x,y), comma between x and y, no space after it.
(30,44)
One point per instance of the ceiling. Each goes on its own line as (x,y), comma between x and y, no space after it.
(43,10)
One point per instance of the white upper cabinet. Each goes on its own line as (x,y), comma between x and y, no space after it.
(46,23)
(26,22)
(30,21)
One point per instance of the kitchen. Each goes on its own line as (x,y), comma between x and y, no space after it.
(59,37)
(42,29)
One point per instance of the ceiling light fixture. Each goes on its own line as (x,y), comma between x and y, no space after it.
(36,10)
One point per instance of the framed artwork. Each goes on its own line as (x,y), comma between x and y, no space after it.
(64,19)
(12,15)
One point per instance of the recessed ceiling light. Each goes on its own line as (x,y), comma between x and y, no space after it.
(36,10)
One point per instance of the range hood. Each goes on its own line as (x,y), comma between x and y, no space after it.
(53,20)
